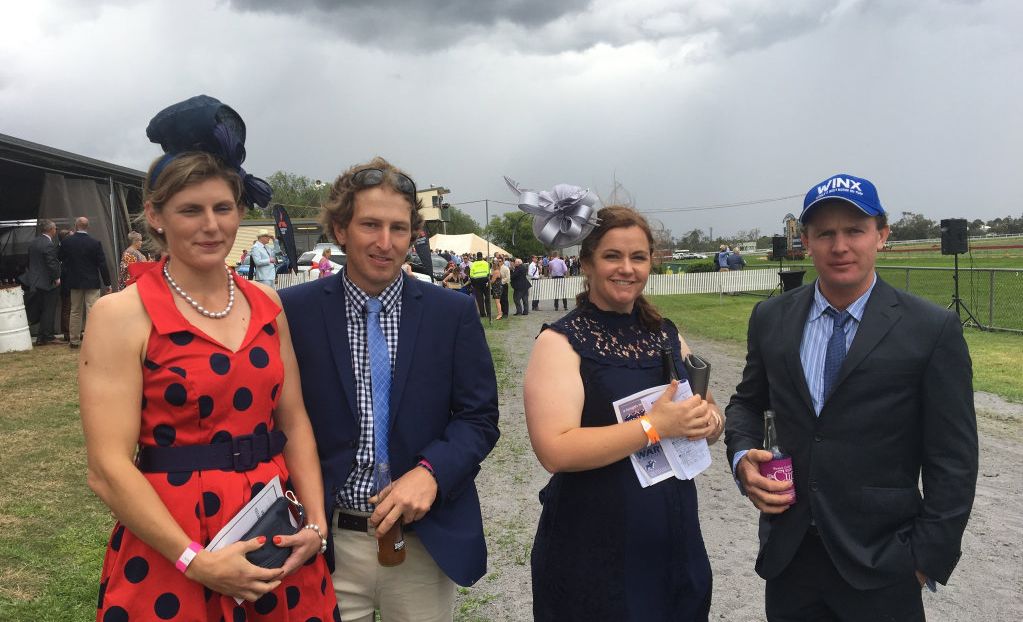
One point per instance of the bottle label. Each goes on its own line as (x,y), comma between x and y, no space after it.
(780,470)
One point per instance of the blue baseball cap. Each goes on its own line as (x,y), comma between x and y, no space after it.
(843,187)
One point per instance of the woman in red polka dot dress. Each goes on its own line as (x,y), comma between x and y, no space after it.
(208,404)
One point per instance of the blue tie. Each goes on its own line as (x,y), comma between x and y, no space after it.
(835,353)
(380,368)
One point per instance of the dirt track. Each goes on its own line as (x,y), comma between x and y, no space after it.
(986,586)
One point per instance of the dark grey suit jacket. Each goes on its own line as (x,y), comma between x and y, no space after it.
(43,266)
(902,408)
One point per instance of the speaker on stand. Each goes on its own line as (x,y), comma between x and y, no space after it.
(954,241)
(779,248)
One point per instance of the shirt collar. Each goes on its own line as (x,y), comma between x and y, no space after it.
(820,303)
(388,298)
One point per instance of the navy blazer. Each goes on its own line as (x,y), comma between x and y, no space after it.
(443,405)
(901,409)
(84,262)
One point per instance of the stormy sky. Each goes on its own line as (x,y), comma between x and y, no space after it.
(693,106)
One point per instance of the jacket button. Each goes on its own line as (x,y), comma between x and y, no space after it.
(818,438)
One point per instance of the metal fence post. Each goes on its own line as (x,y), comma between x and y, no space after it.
(991,298)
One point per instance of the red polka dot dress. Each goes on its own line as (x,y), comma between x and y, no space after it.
(196,391)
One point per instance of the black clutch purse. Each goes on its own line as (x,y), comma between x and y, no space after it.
(276,521)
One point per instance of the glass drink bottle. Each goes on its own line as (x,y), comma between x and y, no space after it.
(390,546)
(779,468)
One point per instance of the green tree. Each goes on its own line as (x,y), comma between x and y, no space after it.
(300,195)
(914,226)
(514,232)
(458,223)
(693,240)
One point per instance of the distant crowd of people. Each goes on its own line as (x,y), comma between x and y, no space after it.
(494,279)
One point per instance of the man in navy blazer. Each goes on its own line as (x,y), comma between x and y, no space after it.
(85,266)
(872,390)
(442,405)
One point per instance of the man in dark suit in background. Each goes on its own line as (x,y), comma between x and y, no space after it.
(437,398)
(43,281)
(85,264)
(872,389)
(520,285)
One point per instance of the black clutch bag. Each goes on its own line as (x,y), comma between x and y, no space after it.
(276,521)
(698,370)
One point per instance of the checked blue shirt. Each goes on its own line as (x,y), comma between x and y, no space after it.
(360,485)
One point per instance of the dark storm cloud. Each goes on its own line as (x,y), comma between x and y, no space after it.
(412,24)
(453,12)
(712,29)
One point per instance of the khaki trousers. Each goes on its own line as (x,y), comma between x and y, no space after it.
(415,591)
(81,304)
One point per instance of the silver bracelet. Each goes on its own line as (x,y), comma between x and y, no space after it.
(323,541)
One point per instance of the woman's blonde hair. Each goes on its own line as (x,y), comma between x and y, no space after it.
(186,169)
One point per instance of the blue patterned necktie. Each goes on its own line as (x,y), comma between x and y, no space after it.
(835,353)
(380,368)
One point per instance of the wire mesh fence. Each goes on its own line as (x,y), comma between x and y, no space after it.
(990,298)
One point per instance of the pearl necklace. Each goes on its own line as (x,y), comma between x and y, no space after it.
(215,315)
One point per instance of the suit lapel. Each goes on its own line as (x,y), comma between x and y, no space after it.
(334,302)
(411,314)
(879,316)
(793,320)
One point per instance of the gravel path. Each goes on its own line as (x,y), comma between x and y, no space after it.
(987,584)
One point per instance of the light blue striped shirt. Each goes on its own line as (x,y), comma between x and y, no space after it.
(814,347)
(816,334)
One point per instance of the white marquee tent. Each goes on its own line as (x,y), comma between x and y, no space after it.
(465,243)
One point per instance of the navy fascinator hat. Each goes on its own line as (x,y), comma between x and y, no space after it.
(203,123)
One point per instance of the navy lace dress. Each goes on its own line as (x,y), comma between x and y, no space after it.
(605,548)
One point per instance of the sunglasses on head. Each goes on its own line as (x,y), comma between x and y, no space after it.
(369,177)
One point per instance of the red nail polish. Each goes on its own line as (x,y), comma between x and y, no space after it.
(262,539)
(277,540)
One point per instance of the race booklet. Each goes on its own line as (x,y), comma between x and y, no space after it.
(672,457)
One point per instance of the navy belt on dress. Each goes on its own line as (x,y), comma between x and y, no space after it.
(242,453)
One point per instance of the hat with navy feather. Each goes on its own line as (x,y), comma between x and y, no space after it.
(203,123)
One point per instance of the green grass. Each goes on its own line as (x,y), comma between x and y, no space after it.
(54,530)
(724,318)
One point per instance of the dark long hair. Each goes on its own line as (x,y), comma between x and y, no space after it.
(616,217)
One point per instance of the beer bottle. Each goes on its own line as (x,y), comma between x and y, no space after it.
(668,366)
(779,468)
(390,546)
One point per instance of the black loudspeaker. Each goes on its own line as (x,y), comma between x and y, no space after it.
(953,236)
(779,247)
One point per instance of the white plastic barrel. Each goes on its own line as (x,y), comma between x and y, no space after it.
(14,335)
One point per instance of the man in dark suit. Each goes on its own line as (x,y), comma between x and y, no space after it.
(85,265)
(520,285)
(440,420)
(43,281)
(872,390)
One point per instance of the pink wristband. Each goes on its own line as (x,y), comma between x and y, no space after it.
(423,462)
(187,556)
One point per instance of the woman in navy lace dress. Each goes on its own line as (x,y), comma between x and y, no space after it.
(607,548)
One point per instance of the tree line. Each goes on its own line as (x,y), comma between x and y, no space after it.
(513,231)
